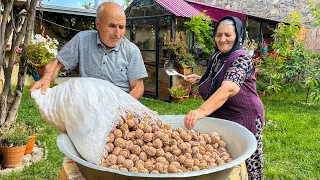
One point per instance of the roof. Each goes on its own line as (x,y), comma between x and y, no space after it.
(179,7)
(68,10)
(216,13)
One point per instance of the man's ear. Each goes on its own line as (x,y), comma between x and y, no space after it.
(98,24)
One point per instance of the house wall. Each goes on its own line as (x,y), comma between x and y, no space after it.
(272,9)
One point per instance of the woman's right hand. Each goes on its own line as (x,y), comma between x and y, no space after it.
(193,79)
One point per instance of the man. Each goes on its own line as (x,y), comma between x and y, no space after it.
(104,54)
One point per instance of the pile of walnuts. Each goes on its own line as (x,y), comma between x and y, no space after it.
(145,147)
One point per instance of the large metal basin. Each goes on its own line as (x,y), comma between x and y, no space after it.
(241,143)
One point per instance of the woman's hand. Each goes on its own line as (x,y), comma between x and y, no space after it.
(193,79)
(192,117)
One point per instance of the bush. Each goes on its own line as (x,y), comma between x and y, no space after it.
(177,92)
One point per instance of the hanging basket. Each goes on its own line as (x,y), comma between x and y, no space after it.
(12,156)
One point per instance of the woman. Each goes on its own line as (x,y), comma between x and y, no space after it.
(228,88)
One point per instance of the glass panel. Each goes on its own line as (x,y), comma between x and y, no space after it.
(144,34)
(164,79)
(146,8)
(150,63)
(253,28)
(267,31)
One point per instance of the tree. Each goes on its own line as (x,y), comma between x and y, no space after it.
(87,6)
(126,4)
(14,17)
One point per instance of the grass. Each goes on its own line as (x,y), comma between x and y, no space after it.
(291,137)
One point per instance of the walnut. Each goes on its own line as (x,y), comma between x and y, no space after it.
(228,160)
(188,155)
(159,167)
(124,127)
(225,158)
(206,157)
(149,165)
(173,147)
(124,169)
(144,171)
(195,144)
(175,135)
(138,142)
(128,163)
(115,167)
(139,133)
(144,148)
(154,172)
(119,142)
(165,139)
(147,137)
(110,147)
(198,156)
(157,143)
(124,153)
(181,159)
(129,115)
(203,165)
(173,142)
(176,152)
(212,165)
(134,157)
(147,129)
(140,126)
(162,160)
(180,171)
(202,150)
(167,126)
(151,151)
(126,135)
(149,144)
(221,150)
(176,164)
(139,166)
(194,136)
(159,123)
(133,169)
(186,137)
(202,143)
(172,169)
(215,146)
(140,162)
(209,148)
(170,157)
(222,144)
(121,121)
(155,128)
(132,135)
(112,159)
(215,155)
(117,133)
(195,168)
(128,145)
(215,139)
(224,154)
(143,156)
(166,148)
(135,149)
(131,123)
(219,161)
(160,152)
(111,137)
(196,162)
(116,151)
(158,135)
(188,163)
(195,150)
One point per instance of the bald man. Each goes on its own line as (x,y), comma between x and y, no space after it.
(104,54)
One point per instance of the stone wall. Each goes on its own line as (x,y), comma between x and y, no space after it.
(272,9)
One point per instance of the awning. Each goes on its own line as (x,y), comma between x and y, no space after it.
(179,8)
(216,13)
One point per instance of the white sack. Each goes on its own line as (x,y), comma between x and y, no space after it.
(87,108)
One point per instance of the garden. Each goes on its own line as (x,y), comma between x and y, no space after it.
(288,79)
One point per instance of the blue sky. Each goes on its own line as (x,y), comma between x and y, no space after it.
(76,3)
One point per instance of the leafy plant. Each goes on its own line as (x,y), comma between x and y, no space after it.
(16,137)
(315,11)
(42,50)
(201,26)
(187,61)
(177,91)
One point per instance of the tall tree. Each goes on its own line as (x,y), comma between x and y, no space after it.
(126,4)
(16,22)
(87,6)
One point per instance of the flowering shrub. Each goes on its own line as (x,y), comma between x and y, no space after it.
(42,50)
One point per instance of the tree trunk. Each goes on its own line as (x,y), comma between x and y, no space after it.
(10,101)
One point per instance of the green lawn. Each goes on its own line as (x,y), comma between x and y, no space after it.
(291,138)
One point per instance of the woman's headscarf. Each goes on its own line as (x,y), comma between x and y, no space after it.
(239,34)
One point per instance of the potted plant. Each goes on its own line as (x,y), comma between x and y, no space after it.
(41,51)
(186,63)
(14,146)
(250,45)
(32,129)
(177,93)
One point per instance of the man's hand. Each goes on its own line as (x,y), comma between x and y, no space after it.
(43,83)
(192,117)
(192,79)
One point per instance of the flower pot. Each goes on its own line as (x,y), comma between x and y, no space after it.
(12,156)
(185,70)
(30,145)
(40,70)
(177,99)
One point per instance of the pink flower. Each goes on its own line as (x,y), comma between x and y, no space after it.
(18,49)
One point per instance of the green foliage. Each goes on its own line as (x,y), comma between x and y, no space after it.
(187,61)
(17,136)
(201,26)
(177,91)
(315,11)
(88,6)
(179,50)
